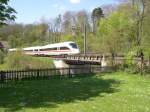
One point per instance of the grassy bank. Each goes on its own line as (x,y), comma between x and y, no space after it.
(117,92)
(20,61)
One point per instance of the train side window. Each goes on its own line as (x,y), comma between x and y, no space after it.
(35,49)
(42,49)
(48,49)
(64,48)
(28,50)
(53,48)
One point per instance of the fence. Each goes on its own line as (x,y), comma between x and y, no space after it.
(49,73)
(5,76)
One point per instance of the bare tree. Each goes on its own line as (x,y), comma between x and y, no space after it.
(68,21)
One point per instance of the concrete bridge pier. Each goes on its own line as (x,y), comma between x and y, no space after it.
(103,62)
(73,69)
(78,65)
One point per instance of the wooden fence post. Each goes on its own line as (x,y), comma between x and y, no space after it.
(69,73)
(142,62)
(2,76)
(38,74)
(90,69)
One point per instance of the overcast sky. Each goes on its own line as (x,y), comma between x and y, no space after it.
(30,11)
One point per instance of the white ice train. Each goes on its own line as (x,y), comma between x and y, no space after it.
(64,48)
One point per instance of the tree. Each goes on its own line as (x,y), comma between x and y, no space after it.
(6,12)
(81,20)
(57,28)
(116,33)
(97,14)
(68,21)
(139,6)
(146,29)
(13,41)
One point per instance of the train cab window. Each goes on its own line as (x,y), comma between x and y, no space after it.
(73,45)
(64,48)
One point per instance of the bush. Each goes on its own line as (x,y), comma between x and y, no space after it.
(18,60)
(129,64)
(2,56)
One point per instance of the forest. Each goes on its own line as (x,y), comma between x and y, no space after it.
(114,75)
(116,29)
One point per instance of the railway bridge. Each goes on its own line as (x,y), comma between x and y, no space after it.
(90,59)
(82,59)
(79,61)
(85,61)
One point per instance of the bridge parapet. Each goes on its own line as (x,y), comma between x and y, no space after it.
(85,59)
(95,59)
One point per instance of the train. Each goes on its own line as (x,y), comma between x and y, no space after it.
(63,48)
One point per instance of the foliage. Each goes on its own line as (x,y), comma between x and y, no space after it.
(96,15)
(116,32)
(18,60)
(146,34)
(130,64)
(6,12)
(2,55)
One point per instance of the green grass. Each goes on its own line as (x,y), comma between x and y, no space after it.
(108,92)
(37,62)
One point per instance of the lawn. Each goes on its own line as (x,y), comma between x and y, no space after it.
(107,92)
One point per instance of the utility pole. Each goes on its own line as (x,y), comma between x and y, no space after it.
(85,35)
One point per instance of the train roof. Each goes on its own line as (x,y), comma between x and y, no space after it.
(57,44)
(14,49)
(49,45)
(30,48)
(45,46)
(60,43)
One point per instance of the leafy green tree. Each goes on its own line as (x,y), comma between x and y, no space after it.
(6,12)
(13,41)
(97,14)
(146,30)
(116,32)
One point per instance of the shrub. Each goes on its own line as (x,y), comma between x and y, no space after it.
(129,64)
(2,56)
(18,60)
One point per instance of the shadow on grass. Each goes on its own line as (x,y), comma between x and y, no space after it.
(50,93)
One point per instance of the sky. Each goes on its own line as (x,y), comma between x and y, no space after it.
(30,11)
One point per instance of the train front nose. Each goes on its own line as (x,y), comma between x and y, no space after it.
(76,51)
